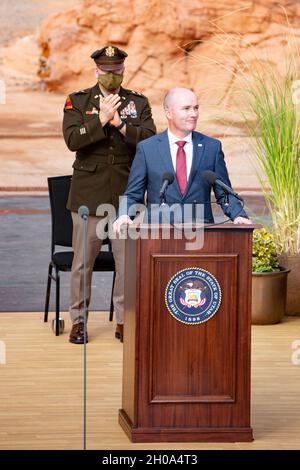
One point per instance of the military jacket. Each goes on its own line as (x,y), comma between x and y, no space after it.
(103,154)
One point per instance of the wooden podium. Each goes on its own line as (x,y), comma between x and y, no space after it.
(186,382)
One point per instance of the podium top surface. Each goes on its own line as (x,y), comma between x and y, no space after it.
(213,227)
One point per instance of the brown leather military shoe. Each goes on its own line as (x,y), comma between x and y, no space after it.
(77,334)
(119,332)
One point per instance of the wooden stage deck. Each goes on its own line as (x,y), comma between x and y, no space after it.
(41,387)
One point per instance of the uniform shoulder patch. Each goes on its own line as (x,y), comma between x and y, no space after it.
(68,103)
(137,93)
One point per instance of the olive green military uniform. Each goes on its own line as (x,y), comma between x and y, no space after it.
(103,155)
(101,169)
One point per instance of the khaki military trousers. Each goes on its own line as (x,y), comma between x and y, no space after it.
(93,247)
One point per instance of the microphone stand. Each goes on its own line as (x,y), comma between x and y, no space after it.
(226,200)
(223,198)
(85,221)
(167,179)
(194,211)
(162,199)
(83,212)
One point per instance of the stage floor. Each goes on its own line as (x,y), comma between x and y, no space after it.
(41,387)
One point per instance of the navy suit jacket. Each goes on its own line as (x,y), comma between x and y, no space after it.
(153,159)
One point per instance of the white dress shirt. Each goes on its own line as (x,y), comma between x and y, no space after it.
(188,148)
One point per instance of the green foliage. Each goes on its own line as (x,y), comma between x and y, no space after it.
(276,136)
(264,257)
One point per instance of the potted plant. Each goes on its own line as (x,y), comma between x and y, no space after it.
(269,280)
(275,133)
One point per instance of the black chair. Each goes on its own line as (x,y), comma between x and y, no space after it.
(62,228)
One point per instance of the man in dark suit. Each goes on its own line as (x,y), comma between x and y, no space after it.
(185,153)
(103,124)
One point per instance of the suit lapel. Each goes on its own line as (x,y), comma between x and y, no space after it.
(198,148)
(164,150)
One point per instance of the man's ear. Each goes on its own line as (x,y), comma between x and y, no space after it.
(168,113)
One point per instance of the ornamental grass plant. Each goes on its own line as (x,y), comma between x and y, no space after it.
(268,98)
(276,143)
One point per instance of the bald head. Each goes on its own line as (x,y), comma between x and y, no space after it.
(176,94)
(181,108)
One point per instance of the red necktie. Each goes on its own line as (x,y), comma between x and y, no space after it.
(181,174)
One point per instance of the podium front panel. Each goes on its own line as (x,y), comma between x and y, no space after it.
(187,377)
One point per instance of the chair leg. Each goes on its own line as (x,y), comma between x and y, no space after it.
(48,292)
(57,302)
(111,310)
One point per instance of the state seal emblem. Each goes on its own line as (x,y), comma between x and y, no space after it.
(193,295)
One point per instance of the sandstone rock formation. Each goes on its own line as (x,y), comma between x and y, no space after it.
(198,43)
(201,44)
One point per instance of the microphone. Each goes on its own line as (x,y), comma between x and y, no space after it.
(212,178)
(167,179)
(83,212)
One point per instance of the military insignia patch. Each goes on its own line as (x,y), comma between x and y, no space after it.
(129,110)
(93,111)
(137,93)
(109,51)
(193,296)
(68,103)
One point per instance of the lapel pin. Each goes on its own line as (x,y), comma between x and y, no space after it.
(199,145)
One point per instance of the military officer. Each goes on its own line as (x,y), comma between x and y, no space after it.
(103,125)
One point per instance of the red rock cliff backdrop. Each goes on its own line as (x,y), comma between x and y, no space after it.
(168,42)
(199,44)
